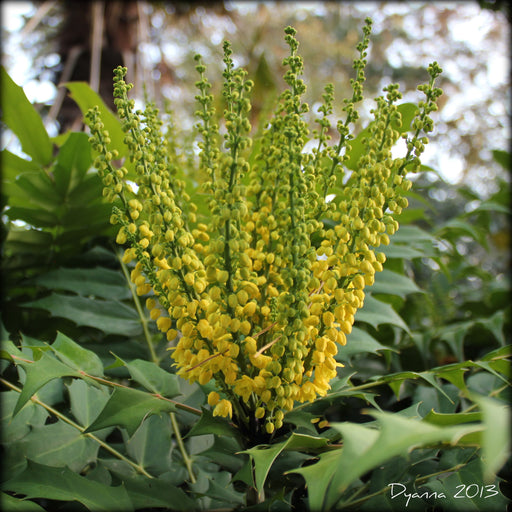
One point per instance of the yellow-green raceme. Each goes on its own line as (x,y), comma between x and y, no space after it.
(258,295)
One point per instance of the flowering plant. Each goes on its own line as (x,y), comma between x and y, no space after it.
(256,296)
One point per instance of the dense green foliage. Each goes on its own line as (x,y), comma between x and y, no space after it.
(94,416)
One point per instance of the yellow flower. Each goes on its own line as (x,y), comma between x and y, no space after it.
(223,408)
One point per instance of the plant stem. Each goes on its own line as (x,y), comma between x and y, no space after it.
(142,316)
(186,459)
(81,429)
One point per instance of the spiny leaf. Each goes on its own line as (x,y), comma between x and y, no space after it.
(41,481)
(38,374)
(110,316)
(152,377)
(76,356)
(263,458)
(127,408)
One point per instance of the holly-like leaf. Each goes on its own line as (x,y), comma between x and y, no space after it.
(41,481)
(151,445)
(98,282)
(76,356)
(127,408)
(366,448)
(376,313)
(145,493)
(110,316)
(263,457)
(152,377)
(209,424)
(392,283)
(40,373)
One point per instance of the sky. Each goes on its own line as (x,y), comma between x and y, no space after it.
(468,30)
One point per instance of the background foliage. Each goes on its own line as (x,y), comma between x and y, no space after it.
(93,417)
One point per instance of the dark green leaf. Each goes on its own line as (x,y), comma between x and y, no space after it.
(110,316)
(145,493)
(153,378)
(38,374)
(11,504)
(263,457)
(392,283)
(209,424)
(359,342)
(99,282)
(375,313)
(76,356)
(151,445)
(41,481)
(73,161)
(127,408)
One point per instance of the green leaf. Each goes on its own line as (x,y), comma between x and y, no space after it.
(263,457)
(366,448)
(38,374)
(151,445)
(359,342)
(126,408)
(375,313)
(443,419)
(86,98)
(21,117)
(224,452)
(41,481)
(76,356)
(502,157)
(466,491)
(98,281)
(73,161)
(15,428)
(209,424)
(153,378)
(496,436)
(392,283)
(59,445)
(110,316)
(86,401)
(145,492)
(12,504)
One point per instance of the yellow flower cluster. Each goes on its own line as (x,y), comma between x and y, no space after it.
(257,296)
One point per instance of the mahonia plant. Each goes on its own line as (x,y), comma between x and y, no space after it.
(257,296)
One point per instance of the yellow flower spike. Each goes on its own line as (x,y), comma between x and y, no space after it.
(253,266)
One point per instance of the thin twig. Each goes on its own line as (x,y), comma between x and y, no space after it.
(268,345)
(59,415)
(186,459)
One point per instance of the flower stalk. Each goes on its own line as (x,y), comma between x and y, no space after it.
(257,294)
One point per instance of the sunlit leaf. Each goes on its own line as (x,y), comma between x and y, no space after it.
(22,118)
